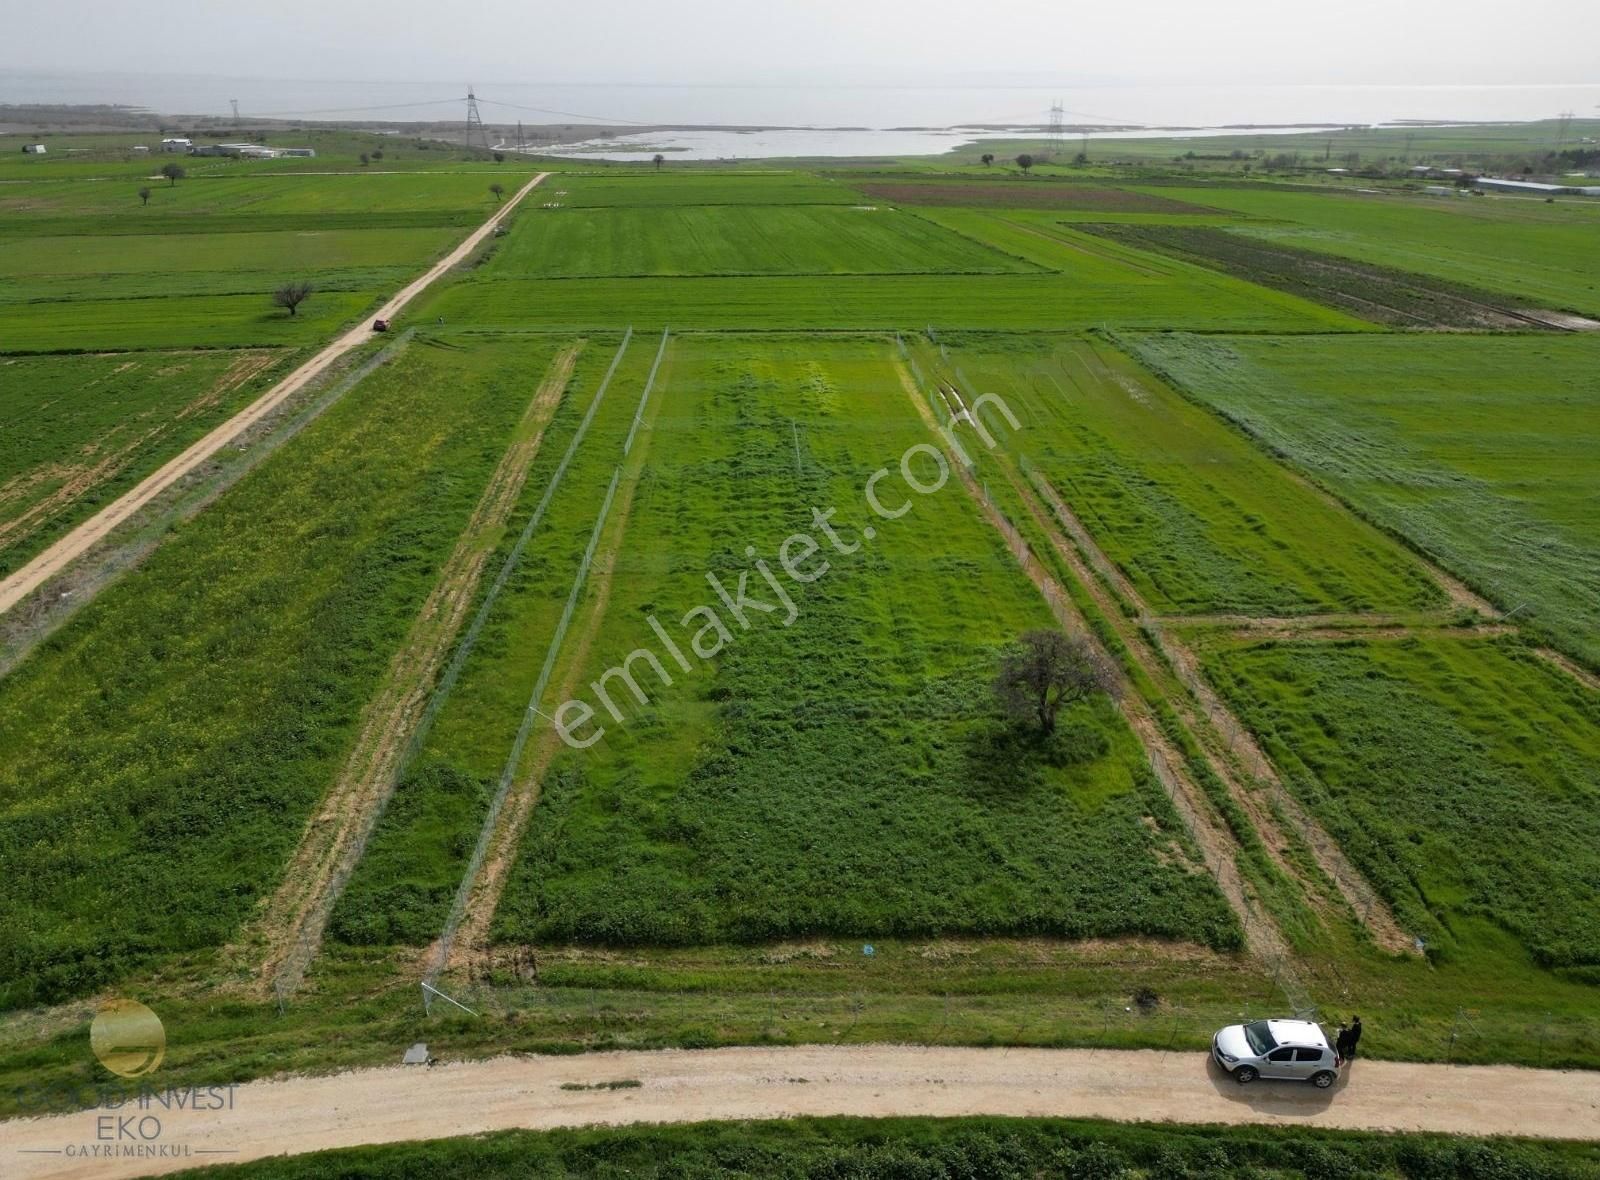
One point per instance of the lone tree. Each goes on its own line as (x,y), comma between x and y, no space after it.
(499,157)
(291,295)
(173,173)
(1024,161)
(660,160)
(498,189)
(144,196)
(1048,670)
(987,158)
(365,159)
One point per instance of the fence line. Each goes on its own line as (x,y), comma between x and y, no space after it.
(458,907)
(638,415)
(310,935)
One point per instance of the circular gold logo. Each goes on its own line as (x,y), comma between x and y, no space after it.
(128,1038)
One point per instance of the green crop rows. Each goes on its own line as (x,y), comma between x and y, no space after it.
(1463,777)
(1480,451)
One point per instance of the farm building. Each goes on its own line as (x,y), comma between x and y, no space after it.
(177,145)
(139,149)
(1535,188)
(304,153)
(33,149)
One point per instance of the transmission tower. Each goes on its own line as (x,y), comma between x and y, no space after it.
(235,103)
(476,131)
(1057,131)
(1562,126)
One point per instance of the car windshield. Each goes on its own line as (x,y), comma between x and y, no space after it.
(1260,1038)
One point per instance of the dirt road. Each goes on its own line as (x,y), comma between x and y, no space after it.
(74,544)
(401,1103)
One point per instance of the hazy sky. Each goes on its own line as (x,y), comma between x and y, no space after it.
(823,41)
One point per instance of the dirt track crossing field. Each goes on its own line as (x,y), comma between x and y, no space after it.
(72,546)
(407,1103)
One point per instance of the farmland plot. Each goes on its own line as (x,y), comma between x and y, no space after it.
(1480,451)
(1046,302)
(158,754)
(1379,293)
(846,774)
(803,239)
(1547,254)
(1462,776)
(81,429)
(181,321)
(401,890)
(1019,193)
(658,189)
(1198,519)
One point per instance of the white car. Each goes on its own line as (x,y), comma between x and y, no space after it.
(1292,1049)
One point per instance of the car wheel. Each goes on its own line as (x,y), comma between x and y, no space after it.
(1245,1074)
(1323,1080)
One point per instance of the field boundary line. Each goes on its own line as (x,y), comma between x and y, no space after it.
(649,384)
(67,549)
(335,837)
(491,822)
(1150,647)
(1217,846)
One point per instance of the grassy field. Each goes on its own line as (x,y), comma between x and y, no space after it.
(708,871)
(181,321)
(936,1149)
(862,737)
(401,891)
(82,429)
(1463,777)
(737,239)
(1045,302)
(239,199)
(1547,254)
(1381,294)
(1198,519)
(183,726)
(1478,450)
(653,190)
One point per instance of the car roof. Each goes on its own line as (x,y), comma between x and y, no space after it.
(1298,1032)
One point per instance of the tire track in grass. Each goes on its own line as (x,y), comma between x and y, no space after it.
(466,929)
(1217,847)
(295,917)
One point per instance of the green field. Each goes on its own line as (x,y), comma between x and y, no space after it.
(655,189)
(1198,519)
(1259,477)
(846,774)
(934,1149)
(737,239)
(1045,302)
(1480,451)
(401,891)
(183,726)
(1548,254)
(82,429)
(1462,776)
(178,321)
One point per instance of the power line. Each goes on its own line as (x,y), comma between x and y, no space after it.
(567,114)
(394,106)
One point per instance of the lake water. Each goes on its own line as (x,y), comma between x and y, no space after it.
(878,116)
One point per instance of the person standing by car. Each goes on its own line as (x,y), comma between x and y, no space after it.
(1355,1039)
(1341,1042)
